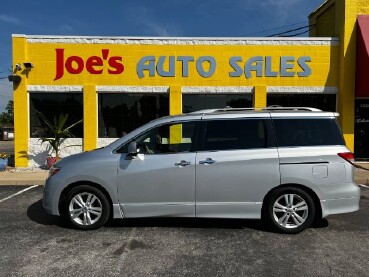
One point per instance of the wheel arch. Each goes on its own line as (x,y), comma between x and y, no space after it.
(67,189)
(311,192)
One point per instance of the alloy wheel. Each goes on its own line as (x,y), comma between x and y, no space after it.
(290,211)
(85,208)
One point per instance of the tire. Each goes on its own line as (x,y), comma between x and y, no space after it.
(86,208)
(286,217)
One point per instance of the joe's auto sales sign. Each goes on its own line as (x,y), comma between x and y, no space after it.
(151,66)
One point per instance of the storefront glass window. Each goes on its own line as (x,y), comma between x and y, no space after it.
(324,102)
(196,102)
(121,113)
(362,129)
(52,105)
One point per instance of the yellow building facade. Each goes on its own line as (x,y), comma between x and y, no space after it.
(118,83)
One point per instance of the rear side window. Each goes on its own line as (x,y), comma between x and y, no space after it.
(237,134)
(307,132)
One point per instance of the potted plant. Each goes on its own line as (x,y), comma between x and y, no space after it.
(56,132)
(3,161)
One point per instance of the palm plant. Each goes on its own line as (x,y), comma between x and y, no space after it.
(57,131)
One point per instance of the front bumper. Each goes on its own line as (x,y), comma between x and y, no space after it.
(51,195)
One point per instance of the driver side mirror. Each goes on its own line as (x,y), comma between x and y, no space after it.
(132,148)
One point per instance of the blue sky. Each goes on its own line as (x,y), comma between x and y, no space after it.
(189,18)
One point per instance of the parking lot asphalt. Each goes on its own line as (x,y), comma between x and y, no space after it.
(33,243)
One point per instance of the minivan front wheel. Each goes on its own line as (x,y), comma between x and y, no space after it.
(290,210)
(86,208)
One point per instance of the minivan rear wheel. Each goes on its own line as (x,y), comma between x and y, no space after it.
(86,208)
(290,210)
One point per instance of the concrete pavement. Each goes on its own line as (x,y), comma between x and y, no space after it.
(25,177)
(362,175)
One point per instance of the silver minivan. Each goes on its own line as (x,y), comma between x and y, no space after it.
(288,166)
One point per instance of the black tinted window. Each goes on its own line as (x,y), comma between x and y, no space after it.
(52,105)
(196,102)
(236,134)
(169,138)
(120,113)
(307,132)
(324,102)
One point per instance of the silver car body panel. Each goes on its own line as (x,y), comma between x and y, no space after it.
(97,167)
(234,186)
(236,183)
(322,170)
(152,185)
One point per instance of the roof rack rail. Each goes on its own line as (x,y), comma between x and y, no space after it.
(269,108)
(280,108)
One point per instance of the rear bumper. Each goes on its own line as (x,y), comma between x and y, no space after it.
(342,205)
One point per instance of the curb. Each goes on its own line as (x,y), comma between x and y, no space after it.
(22,183)
(23,178)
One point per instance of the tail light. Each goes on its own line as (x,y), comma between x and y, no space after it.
(347,156)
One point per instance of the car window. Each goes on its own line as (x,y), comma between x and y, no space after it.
(307,132)
(235,134)
(168,138)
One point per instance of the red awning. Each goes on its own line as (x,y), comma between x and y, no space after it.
(362,57)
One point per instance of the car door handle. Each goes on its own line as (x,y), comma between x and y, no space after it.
(207,161)
(182,163)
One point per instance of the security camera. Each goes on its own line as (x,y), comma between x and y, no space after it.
(14,78)
(28,65)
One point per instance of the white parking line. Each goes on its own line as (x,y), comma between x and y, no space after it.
(19,192)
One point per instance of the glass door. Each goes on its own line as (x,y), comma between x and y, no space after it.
(361,129)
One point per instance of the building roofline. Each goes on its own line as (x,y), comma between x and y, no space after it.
(175,38)
(326,4)
(229,41)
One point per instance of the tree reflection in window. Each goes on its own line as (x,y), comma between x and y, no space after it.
(53,104)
